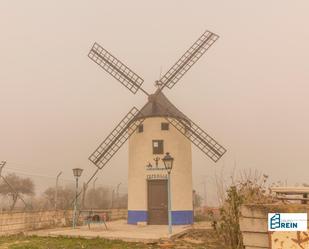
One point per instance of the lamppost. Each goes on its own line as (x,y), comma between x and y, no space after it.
(168,163)
(77,172)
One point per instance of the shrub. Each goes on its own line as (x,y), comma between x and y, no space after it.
(247,190)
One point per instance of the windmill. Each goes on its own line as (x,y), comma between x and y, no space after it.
(146,193)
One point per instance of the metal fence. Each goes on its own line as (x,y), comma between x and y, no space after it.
(16,222)
(54,192)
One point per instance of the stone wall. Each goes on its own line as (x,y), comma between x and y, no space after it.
(16,222)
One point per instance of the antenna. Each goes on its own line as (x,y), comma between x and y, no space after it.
(158,84)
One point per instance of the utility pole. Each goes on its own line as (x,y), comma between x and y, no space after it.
(117,194)
(205,193)
(56,189)
(85,187)
(94,183)
(2,164)
(204,183)
(1,167)
(94,192)
(112,203)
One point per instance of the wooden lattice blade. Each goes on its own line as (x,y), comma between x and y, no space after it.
(115,68)
(190,57)
(108,148)
(198,137)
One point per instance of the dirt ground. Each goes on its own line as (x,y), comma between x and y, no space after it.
(196,239)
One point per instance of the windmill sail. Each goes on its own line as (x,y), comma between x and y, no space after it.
(198,137)
(116,138)
(190,57)
(115,68)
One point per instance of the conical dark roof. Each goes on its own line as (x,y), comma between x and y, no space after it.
(159,106)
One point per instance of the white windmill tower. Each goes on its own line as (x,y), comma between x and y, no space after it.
(159,127)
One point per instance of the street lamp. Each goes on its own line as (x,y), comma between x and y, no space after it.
(168,163)
(77,172)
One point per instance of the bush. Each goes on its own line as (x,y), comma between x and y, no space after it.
(246,190)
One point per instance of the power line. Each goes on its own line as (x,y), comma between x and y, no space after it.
(13,170)
(35,175)
(20,170)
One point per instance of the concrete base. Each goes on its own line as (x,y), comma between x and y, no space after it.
(116,230)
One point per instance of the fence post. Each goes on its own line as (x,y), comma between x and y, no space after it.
(2,164)
(56,189)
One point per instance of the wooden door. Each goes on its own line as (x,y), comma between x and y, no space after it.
(157,202)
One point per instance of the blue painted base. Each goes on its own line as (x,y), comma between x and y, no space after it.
(182,217)
(178,217)
(137,216)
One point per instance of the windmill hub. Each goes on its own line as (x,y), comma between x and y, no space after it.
(157,128)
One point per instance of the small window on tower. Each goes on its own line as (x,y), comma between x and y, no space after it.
(140,128)
(157,147)
(165,126)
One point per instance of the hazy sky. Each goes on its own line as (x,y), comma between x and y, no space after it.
(250,91)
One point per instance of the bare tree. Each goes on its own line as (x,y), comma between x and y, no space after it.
(15,186)
(64,197)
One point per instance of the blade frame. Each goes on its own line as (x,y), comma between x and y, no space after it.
(114,141)
(187,60)
(115,68)
(190,129)
(202,140)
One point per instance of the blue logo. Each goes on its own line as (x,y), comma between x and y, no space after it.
(275,221)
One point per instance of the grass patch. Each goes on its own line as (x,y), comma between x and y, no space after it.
(193,239)
(34,242)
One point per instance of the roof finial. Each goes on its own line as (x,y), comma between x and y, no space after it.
(158,83)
